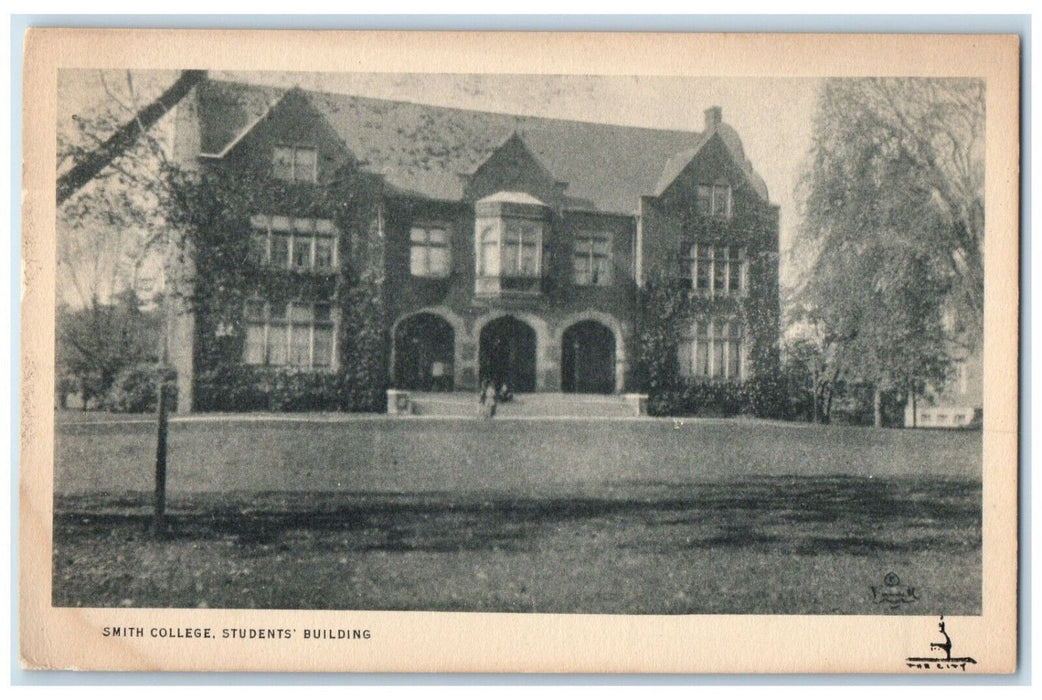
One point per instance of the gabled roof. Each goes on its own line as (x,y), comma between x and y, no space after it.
(429,150)
(729,136)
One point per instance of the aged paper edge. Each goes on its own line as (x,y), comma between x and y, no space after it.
(65,638)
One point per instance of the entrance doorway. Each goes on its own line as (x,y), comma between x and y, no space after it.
(424,346)
(507,350)
(588,359)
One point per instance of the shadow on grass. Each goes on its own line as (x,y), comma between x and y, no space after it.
(797,515)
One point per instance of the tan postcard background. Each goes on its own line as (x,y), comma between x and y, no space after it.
(70,638)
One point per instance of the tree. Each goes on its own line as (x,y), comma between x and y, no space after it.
(893,227)
(96,342)
(110,224)
(91,163)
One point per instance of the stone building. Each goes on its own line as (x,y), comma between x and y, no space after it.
(508,247)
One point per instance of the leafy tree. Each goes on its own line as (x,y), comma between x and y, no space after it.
(893,227)
(96,342)
(110,223)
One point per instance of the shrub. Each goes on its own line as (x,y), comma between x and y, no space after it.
(703,399)
(246,388)
(135,389)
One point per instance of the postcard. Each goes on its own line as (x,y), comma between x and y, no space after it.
(519,352)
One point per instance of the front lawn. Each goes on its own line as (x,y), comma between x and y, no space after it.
(571,516)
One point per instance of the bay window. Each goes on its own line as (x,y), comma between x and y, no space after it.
(508,244)
(520,249)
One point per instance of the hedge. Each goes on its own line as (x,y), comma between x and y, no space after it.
(247,388)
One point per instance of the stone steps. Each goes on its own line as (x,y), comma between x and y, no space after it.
(465,404)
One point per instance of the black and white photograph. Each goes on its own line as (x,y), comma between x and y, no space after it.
(527,343)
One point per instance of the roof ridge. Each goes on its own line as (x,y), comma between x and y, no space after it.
(468,110)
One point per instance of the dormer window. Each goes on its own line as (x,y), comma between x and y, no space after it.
(508,238)
(295,164)
(714,200)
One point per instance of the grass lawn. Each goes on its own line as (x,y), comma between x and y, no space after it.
(592,517)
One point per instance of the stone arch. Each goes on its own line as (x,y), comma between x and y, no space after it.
(531,372)
(425,349)
(611,324)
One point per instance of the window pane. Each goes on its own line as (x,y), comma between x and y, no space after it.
(704,200)
(323,346)
(718,357)
(300,312)
(702,358)
(280,250)
(300,345)
(582,269)
(721,200)
(282,163)
(280,223)
(529,257)
(735,279)
(685,357)
(489,252)
(324,252)
(277,311)
(301,251)
(324,226)
(418,260)
(511,250)
(277,344)
(601,270)
(437,236)
(323,312)
(704,265)
(719,274)
(254,344)
(417,235)
(733,364)
(438,260)
(305,165)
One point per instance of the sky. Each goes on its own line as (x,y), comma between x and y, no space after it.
(773,116)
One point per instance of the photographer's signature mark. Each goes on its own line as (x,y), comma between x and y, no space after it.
(893,593)
(941,663)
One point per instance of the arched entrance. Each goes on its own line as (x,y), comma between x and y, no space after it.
(507,353)
(424,346)
(588,359)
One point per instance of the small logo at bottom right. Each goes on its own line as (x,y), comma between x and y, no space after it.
(945,662)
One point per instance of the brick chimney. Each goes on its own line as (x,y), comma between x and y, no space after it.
(714,115)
